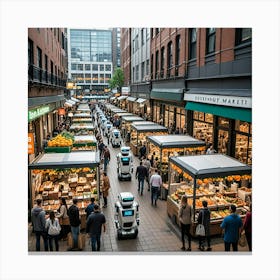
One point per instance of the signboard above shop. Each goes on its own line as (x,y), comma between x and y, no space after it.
(40,111)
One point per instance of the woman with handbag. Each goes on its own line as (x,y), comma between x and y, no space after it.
(185,218)
(247,226)
(64,219)
(53,228)
(204,219)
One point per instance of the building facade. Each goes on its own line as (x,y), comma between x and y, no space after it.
(116,48)
(200,83)
(47,76)
(90,58)
(126,54)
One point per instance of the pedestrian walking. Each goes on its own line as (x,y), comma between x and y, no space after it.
(75,221)
(64,219)
(141,174)
(106,155)
(147,164)
(247,226)
(100,148)
(53,229)
(95,222)
(185,217)
(204,219)
(105,188)
(89,208)
(232,225)
(155,183)
(142,151)
(39,223)
(211,150)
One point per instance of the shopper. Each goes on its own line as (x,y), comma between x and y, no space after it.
(142,151)
(210,150)
(247,226)
(105,188)
(39,223)
(89,208)
(147,164)
(101,148)
(53,228)
(75,221)
(185,217)
(232,225)
(95,221)
(64,219)
(106,157)
(155,183)
(204,218)
(141,174)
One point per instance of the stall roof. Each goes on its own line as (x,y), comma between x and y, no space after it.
(82,126)
(141,100)
(75,99)
(122,97)
(118,110)
(67,104)
(122,114)
(88,138)
(82,115)
(70,101)
(216,165)
(143,123)
(65,160)
(130,98)
(132,118)
(144,128)
(174,141)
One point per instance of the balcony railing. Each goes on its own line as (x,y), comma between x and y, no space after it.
(40,76)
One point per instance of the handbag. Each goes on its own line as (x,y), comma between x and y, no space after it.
(200,229)
(242,239)
(54,228)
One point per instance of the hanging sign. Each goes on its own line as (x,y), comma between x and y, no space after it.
(61,111)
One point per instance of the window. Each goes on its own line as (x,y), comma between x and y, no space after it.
(136,43)
(157,63)
(147,34)
(95,77)
(133,46)
(162,58)
(30,52)
(157,30)
(142,70)
(107,77)
(95,67)
(169,57)
(243,35)
(152,32)
(133,74)
(142,37)
(39,57)
(107,67)
(210,40)
(137,72)
(152,66)
(88,78)
(80,67)
(147,66)
(101,67)
(46,63)
(87,67)
(192,48)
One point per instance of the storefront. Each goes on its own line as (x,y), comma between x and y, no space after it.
(224,121)
(122,103)
(68,175)
(131,105)
(218,179)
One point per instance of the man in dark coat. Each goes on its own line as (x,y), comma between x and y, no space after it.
(141,174)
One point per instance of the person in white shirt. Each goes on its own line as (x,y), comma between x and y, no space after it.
(155,183)
(210,150)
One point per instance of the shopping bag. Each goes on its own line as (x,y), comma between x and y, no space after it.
(200,230)
(242,239)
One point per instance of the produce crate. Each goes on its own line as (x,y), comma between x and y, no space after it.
(58,149)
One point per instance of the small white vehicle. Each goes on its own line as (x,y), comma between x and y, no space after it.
(115,138)
(126,216)
(125,164)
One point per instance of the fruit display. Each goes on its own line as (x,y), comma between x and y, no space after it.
(60,141)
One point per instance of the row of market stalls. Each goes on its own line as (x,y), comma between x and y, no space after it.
(69,167)
(187,170)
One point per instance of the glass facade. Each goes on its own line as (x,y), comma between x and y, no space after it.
(90,56)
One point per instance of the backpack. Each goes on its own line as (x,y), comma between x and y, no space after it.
(54,228)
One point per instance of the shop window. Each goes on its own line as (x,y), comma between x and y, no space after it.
(195,115)
(223,141)
(242,126)
(209,118)
(203,131)
(210,40)
(201,116)
(242,148)
(223,122)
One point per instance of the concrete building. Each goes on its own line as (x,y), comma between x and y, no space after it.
(90,58)
(116,48)
(47,75)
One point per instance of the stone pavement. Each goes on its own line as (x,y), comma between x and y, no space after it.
(156,234)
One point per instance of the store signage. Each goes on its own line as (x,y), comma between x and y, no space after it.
(61,111)
(224,100)
(35,113)
(30,143)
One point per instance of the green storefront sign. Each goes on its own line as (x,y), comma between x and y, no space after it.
(36,113)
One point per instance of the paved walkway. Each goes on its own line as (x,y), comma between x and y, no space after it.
(156,234)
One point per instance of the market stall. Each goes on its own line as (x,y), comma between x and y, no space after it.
(84,143)
(140,132)
(217,178)
(165,146)
(68,175)
(126,122)
(82,128)
(80,120)
(82,115)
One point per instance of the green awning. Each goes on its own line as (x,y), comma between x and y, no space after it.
(167,94)
(222,111)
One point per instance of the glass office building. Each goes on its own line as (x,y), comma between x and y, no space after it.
(90,58)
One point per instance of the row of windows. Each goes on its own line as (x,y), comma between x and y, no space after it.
(91,67)
(91,78)
(145,67)
(145,36)
(243,35)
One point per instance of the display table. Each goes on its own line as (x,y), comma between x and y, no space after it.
(203,177)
